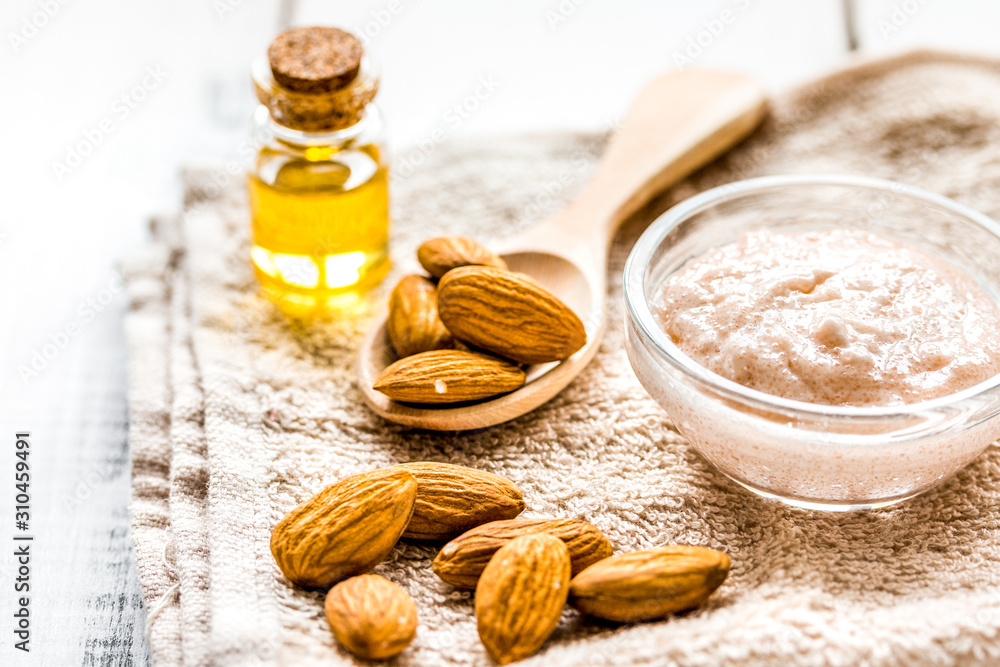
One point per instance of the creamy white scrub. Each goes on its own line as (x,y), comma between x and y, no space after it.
(839,317)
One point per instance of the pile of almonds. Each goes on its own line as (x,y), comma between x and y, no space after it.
(466,337)
(523,570)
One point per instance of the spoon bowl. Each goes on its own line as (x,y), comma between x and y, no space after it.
(556,274)
(678,123)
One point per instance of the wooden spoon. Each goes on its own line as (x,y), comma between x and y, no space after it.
(679,122)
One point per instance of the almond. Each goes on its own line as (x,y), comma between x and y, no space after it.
(345,529)
(448,376)
(509,314)
(647,585)
(441,255)
(371,617)
(521,595)
(413,324)
(462,560)
(452,499)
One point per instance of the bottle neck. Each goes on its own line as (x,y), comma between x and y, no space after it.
(307,114)
(370,119)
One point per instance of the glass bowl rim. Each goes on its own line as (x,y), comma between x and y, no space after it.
(639,311)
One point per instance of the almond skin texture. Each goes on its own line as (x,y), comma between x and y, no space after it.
(462,560)
(452,499)
(647,585)
(508,314)
(441,255)
(345,529)
(521,595)
(413,324)
(448,376)
(371,617)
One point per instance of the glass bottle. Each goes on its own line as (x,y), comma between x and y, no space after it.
(319,184)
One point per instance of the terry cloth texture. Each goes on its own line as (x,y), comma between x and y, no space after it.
(239,413)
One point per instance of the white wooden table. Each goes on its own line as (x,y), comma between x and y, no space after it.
(135,89)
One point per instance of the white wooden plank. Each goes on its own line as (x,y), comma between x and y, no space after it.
(61,242)
(886,26)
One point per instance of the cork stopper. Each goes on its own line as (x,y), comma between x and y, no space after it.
(315,79)
(315,60)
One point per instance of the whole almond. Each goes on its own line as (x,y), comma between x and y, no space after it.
(647,585)
(441,255)
(448,376)
(452,499)
(371,617)
(345,529)
(521,595)
(461,561)
(413,324)
(509,314)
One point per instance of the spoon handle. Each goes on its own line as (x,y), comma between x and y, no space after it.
(678,123)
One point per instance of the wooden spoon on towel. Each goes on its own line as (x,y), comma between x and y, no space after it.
(679,122)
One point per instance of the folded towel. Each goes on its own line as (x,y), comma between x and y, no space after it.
(238,414)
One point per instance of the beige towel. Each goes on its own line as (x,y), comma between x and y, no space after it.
(238,414)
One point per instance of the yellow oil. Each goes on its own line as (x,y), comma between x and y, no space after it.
(320,222)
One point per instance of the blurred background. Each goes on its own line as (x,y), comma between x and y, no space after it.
(107,99)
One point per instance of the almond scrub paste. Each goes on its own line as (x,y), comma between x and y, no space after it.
(839,317)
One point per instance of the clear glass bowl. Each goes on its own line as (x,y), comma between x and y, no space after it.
(806,454)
